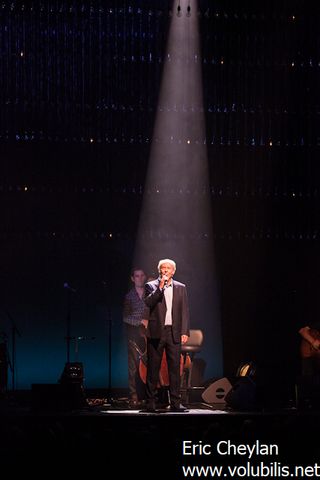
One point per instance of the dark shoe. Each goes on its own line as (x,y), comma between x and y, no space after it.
(151,407)
(178,408)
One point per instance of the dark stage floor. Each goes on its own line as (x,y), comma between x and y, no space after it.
(114,438)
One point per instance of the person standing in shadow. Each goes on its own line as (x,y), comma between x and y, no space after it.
(133,309)
(310,365)
(310,349)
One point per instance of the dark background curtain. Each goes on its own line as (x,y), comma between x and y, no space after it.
(79,84)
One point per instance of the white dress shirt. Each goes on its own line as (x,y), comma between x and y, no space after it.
(168,295)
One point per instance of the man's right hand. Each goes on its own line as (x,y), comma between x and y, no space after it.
(316,344)
(164,279)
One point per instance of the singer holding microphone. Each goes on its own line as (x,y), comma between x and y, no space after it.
(168,327)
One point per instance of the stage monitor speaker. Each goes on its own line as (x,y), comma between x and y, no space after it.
(46,397)
(57,397)
(217,391)
(243,395)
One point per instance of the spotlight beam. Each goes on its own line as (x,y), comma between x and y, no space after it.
(175,218)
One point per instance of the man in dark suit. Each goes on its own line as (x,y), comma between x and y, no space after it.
(168,328)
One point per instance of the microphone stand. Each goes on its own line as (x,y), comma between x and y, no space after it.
(5,359)
(12,363)
(68,319)
(110,354)
(68,337)
(109,323)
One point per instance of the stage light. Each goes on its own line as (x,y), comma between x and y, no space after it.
(246,369)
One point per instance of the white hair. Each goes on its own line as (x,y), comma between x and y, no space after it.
(167,260)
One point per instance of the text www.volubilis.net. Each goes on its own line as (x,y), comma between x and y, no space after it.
(249,470)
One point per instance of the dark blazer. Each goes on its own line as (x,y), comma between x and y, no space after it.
(156,310)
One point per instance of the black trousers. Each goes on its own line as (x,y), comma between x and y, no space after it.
(156,347)
(134,339)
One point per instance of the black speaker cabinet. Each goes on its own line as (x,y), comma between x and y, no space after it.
(58,397)
(217,391)
(72,373)
(243,395)
(47,396)
(72,389)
